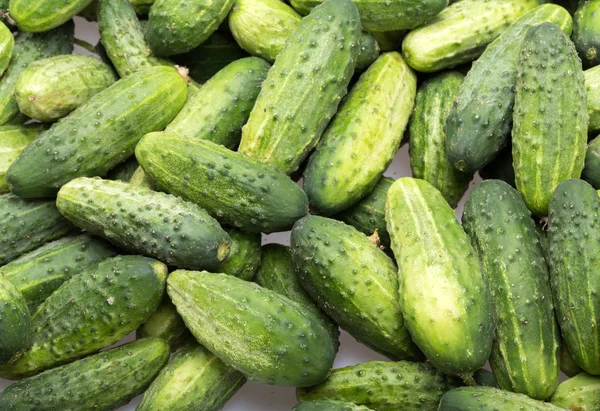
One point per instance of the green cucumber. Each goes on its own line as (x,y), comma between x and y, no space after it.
(384,386)
(40,272)
(479,124)
(591,169)
(91,311)
(167,324)
(7,45)
(451,320)
(548,146)
(428,160)
(304,87)
(330,259)
(489,398)
(526,352)
(567,364)
(141,6)
(460,33)
(144,221)
(580,393)
(363,137)
(13,140)
(389,40)
(100,134)
(586,32)
(43,15)
(15,321)
(592,90)
(368,53)
(500,168)
(266,336)
(232,93)
(231,187)
(124,171)
(101,382)
(51,88)
(329,405)
(193,379)
(244,255)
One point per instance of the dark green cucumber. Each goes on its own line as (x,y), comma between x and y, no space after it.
(39,273)
(91,311)
(500,168)
(389,40)
(304,87)
(193,379)
(101,382)
(451,320)
(329,405)
(592,91)
(591,170)
(488,398)
(44,15)
(548,146)
(479,124)
(124,171)
(384,386)
(7,44)
(567,363)
(428,160)
(100,134)
(13,140)
(266,336)
(231,93)
(580,393)
(526,352)
(586,32)
(167,324)
(233,188)
(15,321)
(244,254)
(363,302)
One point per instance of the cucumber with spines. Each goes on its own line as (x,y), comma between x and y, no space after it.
(580,393)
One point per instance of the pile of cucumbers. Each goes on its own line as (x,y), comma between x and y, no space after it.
(136,183)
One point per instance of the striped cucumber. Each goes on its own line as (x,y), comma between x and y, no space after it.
(165,323)
(44,15)
(244,254)
(592,91)
(489,398)
(586,32)
(591,169)
(7,45)
(580,393)
(15,321)
(13,140)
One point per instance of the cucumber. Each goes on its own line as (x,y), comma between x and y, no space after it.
(389,40)
(266,336)
(329,405)
(363,302)
(101,382)
(592,90)
(427,149)
(384,386)
(43,15)
(368,53)
(591,170)
(304,87)
(363,137)
(586,32)
(244,255)
(500,168)
(245,194)
(143,221)
(488,398)
(567,364)
(15,321)
(572,260)
(91,311)
(451,320)
(51,88)
(124,171)
(141,6)
(40,272)
(27,225)
(13,140)
(193,379)
(581,393)
(7,45)
(460,33)
(479,124)
(232,93)
(526,352)
(548,146)
(100,134)
(167,324)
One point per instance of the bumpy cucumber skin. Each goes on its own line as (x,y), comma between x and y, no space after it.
(363,137)
(428,160)
(91,311)
(329,405)
(277,272)
(384,386)
(548,145)
(101,382)
(244,255)
(13,140)
(231,187)
(15,321)
(165,323)
(591,170)
(369,51)
(526,352)
(572,257)
(460,33)
(479,124)
(500,168)
(451,319)
(488,398)
(586,32)
(232,93)
(141,220)
(39,273)
(193,379)
(124,171)
(592,91)
(304,87)
(567,363)
(51,88)
(363,302)
(580,393)
(7,45)
(41,15)
(266,336)
(108,127)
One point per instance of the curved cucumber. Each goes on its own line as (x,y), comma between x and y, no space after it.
(15,321)
(488,398)
(165,323)
(7,45)
(44,15)
(586,32)
(244,255)
(581,393)
(13,140)
(592,91)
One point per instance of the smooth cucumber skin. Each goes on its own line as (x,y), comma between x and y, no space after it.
(384,386)
(500,168)
(165,323)
(91,311)
(427,149)
(592,91)
(488,398)
(362,301)
(244,254)
(13,140)
(268,337)
(586,32)
(51,88)
(193,379)
(15,321)
(479,124)
(100,382)
(363,137)
(99,134)
(304,87)
(548,146)
(572,257)
(44,15)
(580,393)
(526,353)
(567,362)
(451,319)
(328,405)
(231,187)
(591,169)
(7,45)
(40,272)
(231,93)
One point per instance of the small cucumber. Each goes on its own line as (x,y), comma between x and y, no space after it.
(167,324)
(586,32)
(488,398)
(15,321)
(591,169)
(580,393)
(244,255)
(592,90)
(567,363)
(7,45)
(329,405)
(44,15)
(13,140)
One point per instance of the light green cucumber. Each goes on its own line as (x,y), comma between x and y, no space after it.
(580,393)
(165,323)
(7,45)
(244,255)
(43,15)
(592,91)
(13,140)
(15,321)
